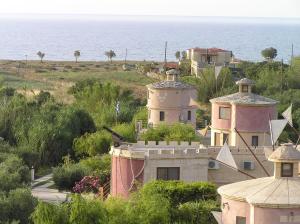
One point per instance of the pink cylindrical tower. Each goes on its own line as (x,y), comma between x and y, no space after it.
(127,171)
(244,111)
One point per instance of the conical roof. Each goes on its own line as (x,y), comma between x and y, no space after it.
(245,81)
(271,192)
(285,153)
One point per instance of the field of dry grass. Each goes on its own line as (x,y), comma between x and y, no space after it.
(58,76)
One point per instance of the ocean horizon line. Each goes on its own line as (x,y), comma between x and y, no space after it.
(152,18)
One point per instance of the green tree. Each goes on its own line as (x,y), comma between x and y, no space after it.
(178,55)
(41,55)
(110,54)
(76,55)
(92,144)
(183,55)
(269,53)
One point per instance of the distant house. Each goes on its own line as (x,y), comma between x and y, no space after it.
(203,57)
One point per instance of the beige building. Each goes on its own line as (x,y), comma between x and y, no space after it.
(244,111)
(171,101)
(203,57)
(188,162)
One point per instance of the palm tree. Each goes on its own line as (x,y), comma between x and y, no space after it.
(177,55)
(76,55)
(110,54)
(41,55)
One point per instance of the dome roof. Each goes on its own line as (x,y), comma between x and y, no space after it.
(245,81)
(271,192)
(172,72)
(170,85)
(265,192)
(285,153)
(242,98)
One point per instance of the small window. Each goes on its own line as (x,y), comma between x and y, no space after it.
(287,169)
(161,115)
(245,88)
(240,220)
(225,138)
(224,113)
(189,115)
(168,173)
(254,141)
(149,114)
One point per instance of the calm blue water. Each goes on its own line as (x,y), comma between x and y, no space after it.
(144,39)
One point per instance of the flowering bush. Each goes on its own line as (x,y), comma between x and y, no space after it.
(87,184)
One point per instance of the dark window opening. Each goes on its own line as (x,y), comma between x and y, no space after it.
(287,169)
(168,173)
(161,115)
(254,141)
(240,220)
(225,138)
(244,88)
(189,115)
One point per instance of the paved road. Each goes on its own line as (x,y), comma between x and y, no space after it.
(44,193)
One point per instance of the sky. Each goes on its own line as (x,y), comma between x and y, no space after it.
(230,8)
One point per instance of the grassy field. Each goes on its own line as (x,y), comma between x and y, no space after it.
(57,77)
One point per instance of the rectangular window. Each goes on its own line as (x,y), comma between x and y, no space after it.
(189,115)
(287,169)
(161,115)
(168,173)
(245,88)
(254,141)
(217,139)
(225,138)
(224,113)
(240,220)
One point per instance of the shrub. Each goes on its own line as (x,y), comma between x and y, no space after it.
(92,144)
(66,176)
(176,132)
(198,212)
(17,205)
(13,173)
(179,192)
(127,131)
(99,166)
(84,211)
(87,184)
(50,214)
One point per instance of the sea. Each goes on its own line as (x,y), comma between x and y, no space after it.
(144,37)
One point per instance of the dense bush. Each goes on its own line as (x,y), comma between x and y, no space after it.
(156,203)
(17,205)
(66,176)
(127,131)
(198,212)
(46,213)
(99,166)
(92,144)
(13,173)
(179,192)
(176,132)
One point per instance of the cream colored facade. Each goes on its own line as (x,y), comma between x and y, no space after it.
(201,58)
(193,161)
(171,102)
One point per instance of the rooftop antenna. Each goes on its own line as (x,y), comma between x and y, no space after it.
(166,46)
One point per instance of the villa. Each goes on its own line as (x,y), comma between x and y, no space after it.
(203,57)
(171,101)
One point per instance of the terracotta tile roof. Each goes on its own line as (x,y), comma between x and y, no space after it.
(213,50)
